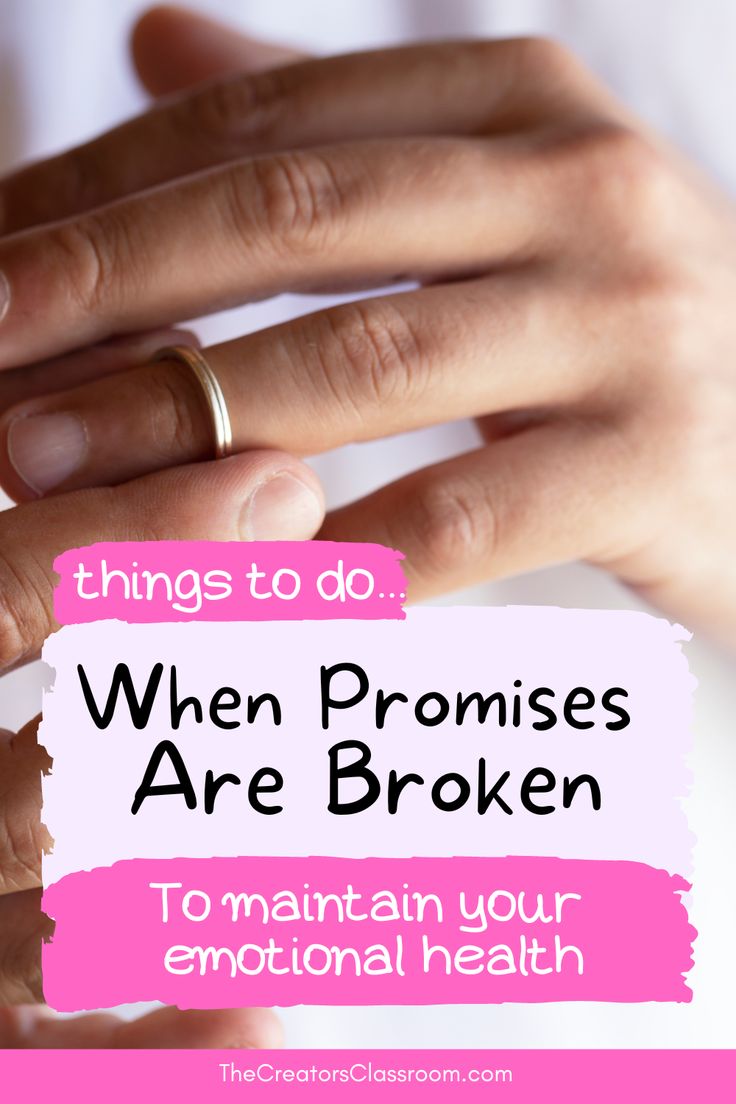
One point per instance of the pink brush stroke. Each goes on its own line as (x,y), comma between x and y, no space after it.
(307,558)
(109,945)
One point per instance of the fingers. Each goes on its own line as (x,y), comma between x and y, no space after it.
(174,49)
(61,373)
(473,87)
(214,1030)
(26,1026)
(23,929)
(563,491)
(297,221)
(264,495)
(359,371)
(23,838)
(168,1028)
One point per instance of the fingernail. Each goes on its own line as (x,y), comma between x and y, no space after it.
(283,508)
(45,449)
(4,295)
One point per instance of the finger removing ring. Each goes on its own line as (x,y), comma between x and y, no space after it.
(208,381)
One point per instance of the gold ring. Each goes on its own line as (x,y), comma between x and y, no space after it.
(194,359)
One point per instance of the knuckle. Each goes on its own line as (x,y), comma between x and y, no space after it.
(298,198)
(642,180)
(540,54)
(531,70)
(623,180)
(25,963)
(454,528)
(670,323)
(21,979)
(377,351)
(177,413)
(20,602)
(14,641)
(239,111)
(693,410)
(91,253)
(22,836)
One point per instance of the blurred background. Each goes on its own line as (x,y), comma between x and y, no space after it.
(65,75)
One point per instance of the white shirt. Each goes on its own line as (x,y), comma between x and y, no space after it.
(64,75)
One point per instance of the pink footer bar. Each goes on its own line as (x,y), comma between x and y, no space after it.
(358,1075)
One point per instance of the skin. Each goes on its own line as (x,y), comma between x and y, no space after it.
(575,282)
(575,298)
(215,501)
(207,500)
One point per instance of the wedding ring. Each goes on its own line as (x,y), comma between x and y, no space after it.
(208,381)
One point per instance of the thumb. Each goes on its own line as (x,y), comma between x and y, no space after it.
(174,49)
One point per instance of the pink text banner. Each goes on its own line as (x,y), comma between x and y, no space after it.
(156,581)
(221,933)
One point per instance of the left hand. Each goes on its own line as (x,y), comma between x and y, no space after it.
(578,288)
(241,498)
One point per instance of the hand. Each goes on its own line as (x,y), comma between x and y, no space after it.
(578,281)
(265,494)
(34,1026)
